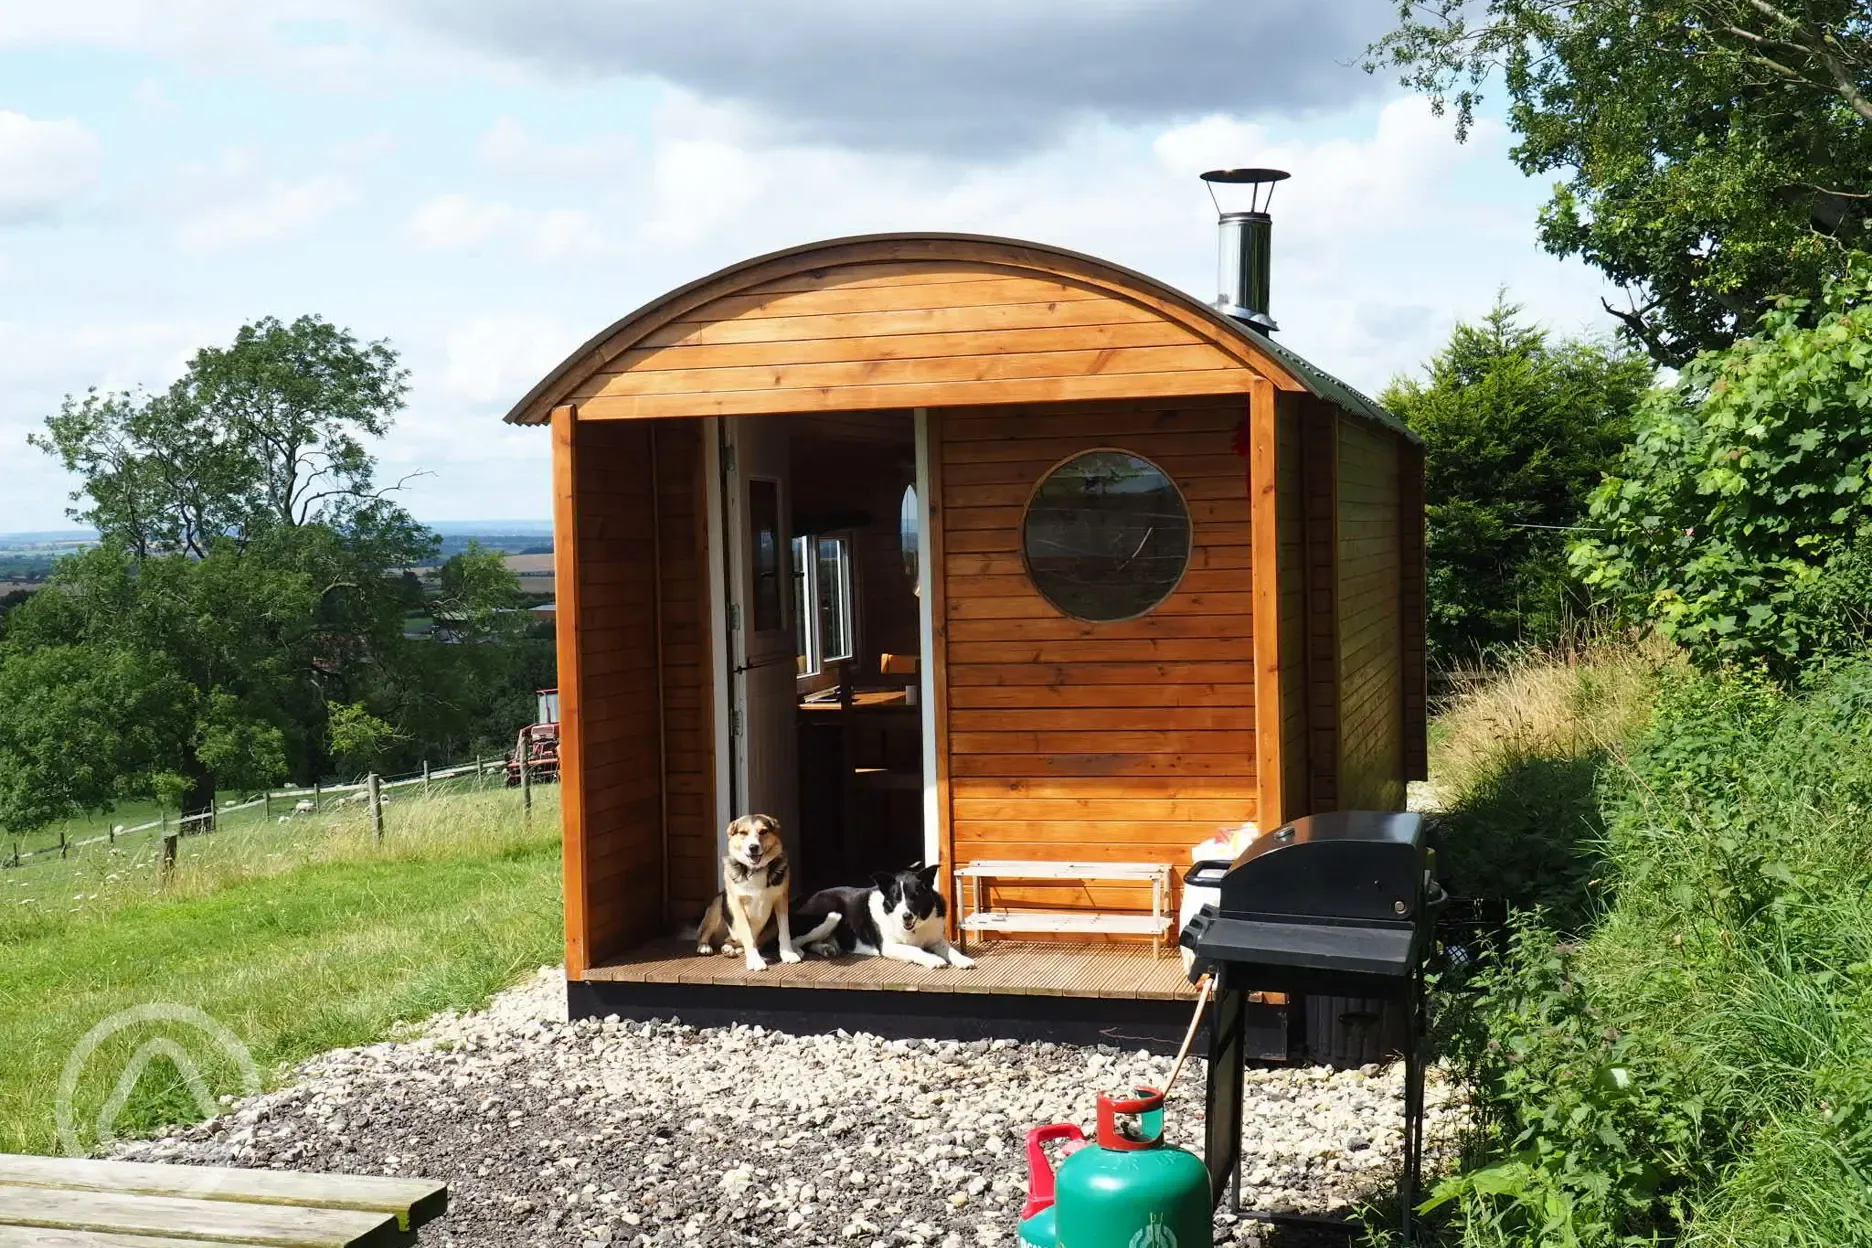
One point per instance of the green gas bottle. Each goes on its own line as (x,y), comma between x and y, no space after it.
(1128,1190)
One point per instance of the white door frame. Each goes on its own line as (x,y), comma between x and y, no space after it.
(719,650)
(926,635)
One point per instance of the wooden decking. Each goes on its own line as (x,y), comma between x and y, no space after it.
(1002,968)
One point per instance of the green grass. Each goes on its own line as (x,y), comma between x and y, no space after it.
(1678,1050)
(298,938)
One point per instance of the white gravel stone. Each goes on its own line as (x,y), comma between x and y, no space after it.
(623,1133)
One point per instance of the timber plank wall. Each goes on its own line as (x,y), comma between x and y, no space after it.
(1371,596)
(615,899)
(901,335)
(1131,740)
(688,689)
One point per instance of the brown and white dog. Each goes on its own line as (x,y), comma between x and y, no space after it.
(756,893)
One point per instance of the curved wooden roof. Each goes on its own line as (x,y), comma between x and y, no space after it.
(905,320)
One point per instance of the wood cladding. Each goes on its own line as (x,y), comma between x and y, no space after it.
(1371,682)
(899,335)
(1411,607)
(613,668)
(1067,739)
(688,690)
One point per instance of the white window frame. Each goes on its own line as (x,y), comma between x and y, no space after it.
(809,583)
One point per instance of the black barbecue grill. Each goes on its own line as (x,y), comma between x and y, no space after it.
(1338,904)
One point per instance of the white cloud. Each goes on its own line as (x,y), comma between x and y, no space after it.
(454,222)
(510,149)
(457,222)
(44,165)
(279,211)
(498,359)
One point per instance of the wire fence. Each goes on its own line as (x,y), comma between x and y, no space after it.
(292,803)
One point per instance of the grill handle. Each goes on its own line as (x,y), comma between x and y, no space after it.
(1207,874)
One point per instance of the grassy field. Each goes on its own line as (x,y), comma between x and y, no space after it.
(296,938)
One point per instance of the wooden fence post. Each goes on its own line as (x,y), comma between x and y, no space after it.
(169,853)
(376,805)
(315,797)
(526,783)
(267,810)
(477,783)
(425,777)
(61,843)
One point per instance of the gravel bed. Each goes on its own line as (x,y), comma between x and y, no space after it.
(622,1134)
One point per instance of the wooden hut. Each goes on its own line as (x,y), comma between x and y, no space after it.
(967,550)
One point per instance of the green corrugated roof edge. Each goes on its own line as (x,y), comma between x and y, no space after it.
(1325,385)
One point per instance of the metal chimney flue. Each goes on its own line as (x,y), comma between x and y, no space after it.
(1246,243)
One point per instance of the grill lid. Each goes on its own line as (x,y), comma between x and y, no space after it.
(1349,866)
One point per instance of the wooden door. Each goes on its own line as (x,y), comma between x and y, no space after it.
(763,650)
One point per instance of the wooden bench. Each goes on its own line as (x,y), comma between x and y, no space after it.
(981,919)
(65,1202)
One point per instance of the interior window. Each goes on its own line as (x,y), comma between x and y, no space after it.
(803,618)
(764,528)
(832,595)
(1106,536)
(822,580)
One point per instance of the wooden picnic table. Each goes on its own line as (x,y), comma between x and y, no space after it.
(64,1202)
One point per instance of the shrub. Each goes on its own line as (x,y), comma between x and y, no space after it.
(1739,519)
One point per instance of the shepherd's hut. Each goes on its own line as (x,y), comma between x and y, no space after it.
(972,551)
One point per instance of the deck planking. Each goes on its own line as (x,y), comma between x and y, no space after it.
(1002,968)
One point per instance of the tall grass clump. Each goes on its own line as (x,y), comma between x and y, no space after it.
(1689,1061)
(1517,754)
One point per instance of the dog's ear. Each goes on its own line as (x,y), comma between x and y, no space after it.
(885,882)
(773,824)
(928,875)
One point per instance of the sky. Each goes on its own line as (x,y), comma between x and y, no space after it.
(487,183)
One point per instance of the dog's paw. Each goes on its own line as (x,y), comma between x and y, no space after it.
(705,949)
(961,961)
(789,955)
(931,961)
(756,963)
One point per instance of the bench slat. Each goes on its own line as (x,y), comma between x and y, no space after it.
(41,1237)
(1054,921)
(217,1221)
(988,869)
(413,1201)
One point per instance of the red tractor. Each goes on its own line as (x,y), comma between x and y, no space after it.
(538,744)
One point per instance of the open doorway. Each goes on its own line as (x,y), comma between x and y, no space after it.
(826,724)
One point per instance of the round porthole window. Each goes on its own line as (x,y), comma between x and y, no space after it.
(1106,536)
(907,532)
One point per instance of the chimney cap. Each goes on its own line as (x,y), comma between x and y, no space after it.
(1246,176)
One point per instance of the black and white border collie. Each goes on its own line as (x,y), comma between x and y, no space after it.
(899,915)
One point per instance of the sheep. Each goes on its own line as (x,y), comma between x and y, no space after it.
(304,806)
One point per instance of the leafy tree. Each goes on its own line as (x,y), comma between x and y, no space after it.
(1718,153)
(359,738)
(1517,430)
(263,434)
(243,582)
(1739,521)
(478,591)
